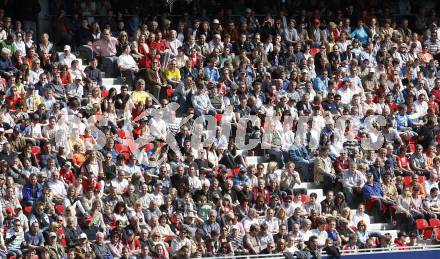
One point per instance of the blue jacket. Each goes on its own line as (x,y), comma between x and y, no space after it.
(320,84)
(298,154)
(361,34)
(31,194)
(6,66)
(212,74)
(375,190)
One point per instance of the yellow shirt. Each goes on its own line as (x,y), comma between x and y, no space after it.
(172,74)
(140,97)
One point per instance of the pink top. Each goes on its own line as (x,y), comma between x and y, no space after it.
(105,48)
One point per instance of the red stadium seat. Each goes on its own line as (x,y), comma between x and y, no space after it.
(149,146)
(434,223)
(422,226)
(229,173)
(314,51)
(59,209)
(218,117)
(119,147)
(36,150)
(376,240)
(407,181)
(122,134)
(173,219)
(126,154)
(104,93)
(412,147)
(411,139)
(27,210)
(123,150)
(305,199)
(170,92)
(427,234)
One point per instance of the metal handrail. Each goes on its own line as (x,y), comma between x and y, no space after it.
(272,256)
(362,251)
(390,249)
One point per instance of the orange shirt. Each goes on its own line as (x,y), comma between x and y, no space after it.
(422,192)
(78,159)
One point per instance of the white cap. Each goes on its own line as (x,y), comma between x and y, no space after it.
(83,236)
(215,21)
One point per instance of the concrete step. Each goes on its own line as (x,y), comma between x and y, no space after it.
(306,185)
(111,81)
(379,226)
(254,160)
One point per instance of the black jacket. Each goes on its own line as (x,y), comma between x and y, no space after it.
(72,236)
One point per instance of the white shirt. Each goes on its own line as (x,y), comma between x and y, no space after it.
(119,185)
(158,128)
(421,108)
(145,199)
(194,183)
(358,217)
(350,179)
(433,202)
(429,184)
(322,236)
(174,45)
(126,62)
(306,234)
(66,59)
(75,90)
(36,130)
(21,46)
(247,222)
(273,224)
(58,188)
(346,95)
(158,198)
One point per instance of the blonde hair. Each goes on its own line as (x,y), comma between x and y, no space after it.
(281,214)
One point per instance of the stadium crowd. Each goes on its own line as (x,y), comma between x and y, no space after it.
(87,168)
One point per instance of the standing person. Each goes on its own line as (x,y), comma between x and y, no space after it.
(105,48)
